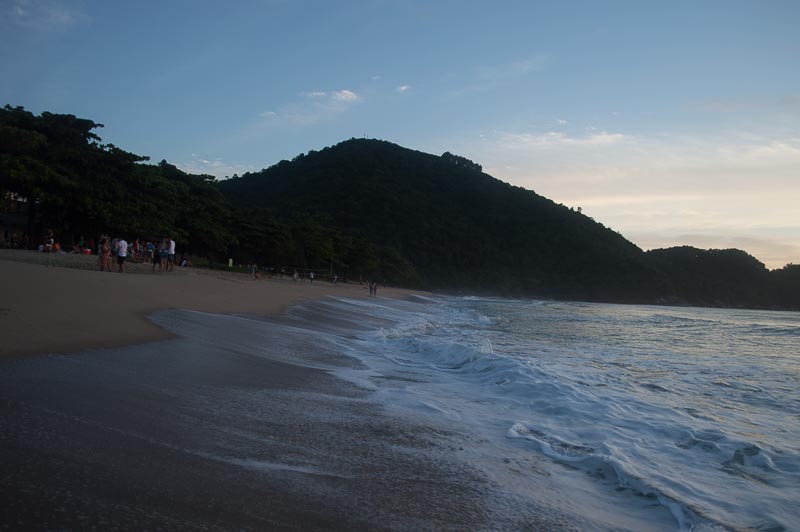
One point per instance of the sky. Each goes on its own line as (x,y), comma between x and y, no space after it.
(673,123)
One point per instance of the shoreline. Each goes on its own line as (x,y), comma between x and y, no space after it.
(233,424)
(63,306)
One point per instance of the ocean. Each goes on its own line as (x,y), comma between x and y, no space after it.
(618,416)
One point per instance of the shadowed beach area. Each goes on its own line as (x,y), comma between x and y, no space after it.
(190,419)
(61,303)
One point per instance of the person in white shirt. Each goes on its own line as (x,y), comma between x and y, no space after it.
(122,252)
(171,255)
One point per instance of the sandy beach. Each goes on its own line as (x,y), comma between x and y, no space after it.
(61,303)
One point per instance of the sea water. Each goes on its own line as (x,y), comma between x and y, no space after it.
(621,416)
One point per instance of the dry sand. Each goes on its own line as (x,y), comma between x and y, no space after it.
(61,303)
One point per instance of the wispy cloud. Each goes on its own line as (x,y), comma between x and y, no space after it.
(314,94)
(216,166)
(792,102)
(404,88)
(41,14)
(557,139)
(314,107)
(722,106)
(597,149)
(788,103)
(345,96)
(488,77)
(514,69)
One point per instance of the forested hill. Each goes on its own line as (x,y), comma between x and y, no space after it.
(458,227)
(441,222)
(725,278)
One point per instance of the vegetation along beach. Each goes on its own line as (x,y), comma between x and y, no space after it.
(399,266)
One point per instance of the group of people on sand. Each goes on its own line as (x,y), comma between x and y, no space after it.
(161,256)
(120,250)
(51,244)
(373,288)
(117,248)
(301,276)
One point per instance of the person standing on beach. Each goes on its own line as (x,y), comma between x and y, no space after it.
(311,277)
(163,253)
(156,258)
(171,255)
(105,256)
(150,252)
(122,252)
(49,240)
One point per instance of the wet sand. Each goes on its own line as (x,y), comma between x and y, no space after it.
(182,434)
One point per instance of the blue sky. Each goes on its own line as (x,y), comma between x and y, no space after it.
(670,122)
